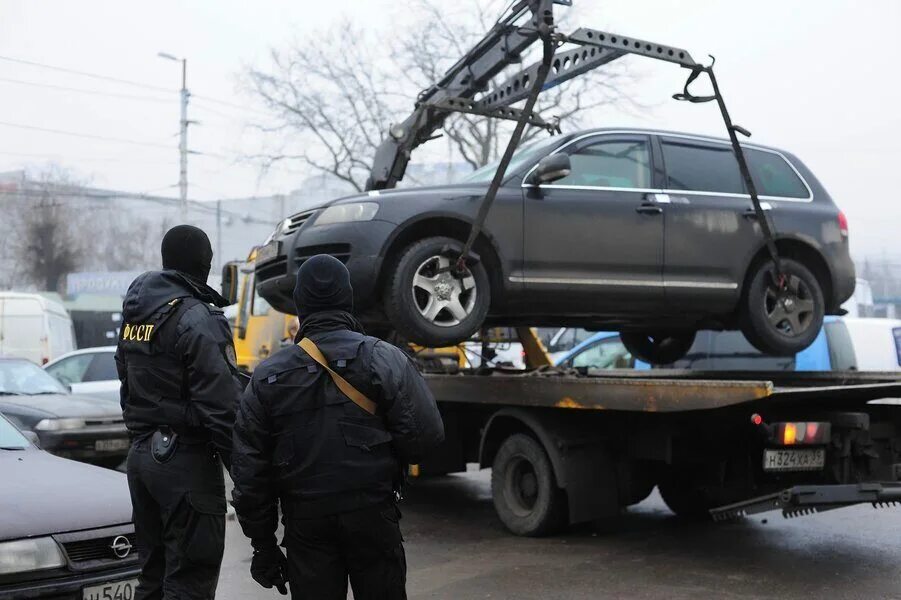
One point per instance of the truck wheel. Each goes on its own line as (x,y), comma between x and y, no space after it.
(658,348)
(526,497)
(428,303)
(782,321)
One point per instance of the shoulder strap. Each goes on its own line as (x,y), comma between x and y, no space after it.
(308,346)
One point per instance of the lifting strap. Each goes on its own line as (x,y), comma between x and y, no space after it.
(358,398)
(766,228)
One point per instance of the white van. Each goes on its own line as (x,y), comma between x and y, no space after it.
(34,327)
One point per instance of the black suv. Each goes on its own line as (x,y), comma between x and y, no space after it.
(648,233)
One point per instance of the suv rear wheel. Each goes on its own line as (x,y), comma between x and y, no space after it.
(782,319)
(658,348)
(428,302)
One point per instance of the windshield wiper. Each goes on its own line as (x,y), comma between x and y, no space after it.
(41,393)
(12,447)
(8,393)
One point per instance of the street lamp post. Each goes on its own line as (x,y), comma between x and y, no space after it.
(183,135)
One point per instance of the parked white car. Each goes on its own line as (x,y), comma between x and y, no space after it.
(89,371)
(876,342)
(34,328)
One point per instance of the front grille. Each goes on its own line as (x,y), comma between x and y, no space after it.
(339,251)
(273,269)
(296,222)
(99,549)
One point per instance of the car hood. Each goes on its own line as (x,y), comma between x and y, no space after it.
(68,405)
(44,494)
(411,193)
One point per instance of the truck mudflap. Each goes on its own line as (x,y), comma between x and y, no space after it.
(808,499)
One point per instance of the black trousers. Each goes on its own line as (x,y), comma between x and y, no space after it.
(179,515)
(364,546)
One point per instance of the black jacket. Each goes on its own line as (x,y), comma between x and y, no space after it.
(175,360)
(300,441)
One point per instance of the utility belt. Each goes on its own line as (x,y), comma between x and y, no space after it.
(165,443)
(334,504)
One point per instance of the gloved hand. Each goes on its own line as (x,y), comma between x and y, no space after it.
(269,568)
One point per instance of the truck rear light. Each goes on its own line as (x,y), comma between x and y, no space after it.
(802,434)
(843,224)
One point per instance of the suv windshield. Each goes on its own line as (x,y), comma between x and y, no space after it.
(10,438)
(524,155)
(20,377)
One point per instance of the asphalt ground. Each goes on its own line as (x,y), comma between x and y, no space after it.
(457,549)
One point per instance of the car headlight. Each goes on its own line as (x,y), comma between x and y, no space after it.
(347,213)
(59,424)
(30,555)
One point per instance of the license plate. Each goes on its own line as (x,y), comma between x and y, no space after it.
(812,459)
(117,590)
(267,252)
(110,445)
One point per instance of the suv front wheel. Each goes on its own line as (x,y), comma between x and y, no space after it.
(428,301)
(782,317)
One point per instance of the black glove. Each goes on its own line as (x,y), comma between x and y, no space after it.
(269,568)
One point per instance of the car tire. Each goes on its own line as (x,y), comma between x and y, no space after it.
(790,328)
(525,492)
(432,307)
(658,348)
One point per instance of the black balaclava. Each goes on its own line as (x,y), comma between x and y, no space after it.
(187,249)
(323,283)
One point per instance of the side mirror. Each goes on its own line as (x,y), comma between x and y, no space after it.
(32,437)
(551,168)
(230,282)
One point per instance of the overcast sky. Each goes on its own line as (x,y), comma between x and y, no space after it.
(817,77)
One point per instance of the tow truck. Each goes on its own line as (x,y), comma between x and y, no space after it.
(569,446)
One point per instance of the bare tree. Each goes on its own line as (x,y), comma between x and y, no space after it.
(333,96)
(45,238)
(341,101)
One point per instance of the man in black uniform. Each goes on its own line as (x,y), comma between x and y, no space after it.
(325,429)
(179,390)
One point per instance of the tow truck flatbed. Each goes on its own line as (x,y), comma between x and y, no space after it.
(660,390)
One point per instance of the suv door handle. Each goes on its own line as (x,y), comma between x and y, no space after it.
(648,208)
(752,214)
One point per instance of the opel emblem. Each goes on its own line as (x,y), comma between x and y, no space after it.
(121,547)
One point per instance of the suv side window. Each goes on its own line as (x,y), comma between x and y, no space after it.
(701,168)
(612,164)
(773,176)
(605,354)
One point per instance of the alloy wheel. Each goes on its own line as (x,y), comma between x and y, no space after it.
(443,297)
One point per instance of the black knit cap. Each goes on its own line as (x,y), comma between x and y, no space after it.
(323,283)
(187,249)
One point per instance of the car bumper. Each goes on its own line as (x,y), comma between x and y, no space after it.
(844,278)
(68,587)
(357,245)
(87,444)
